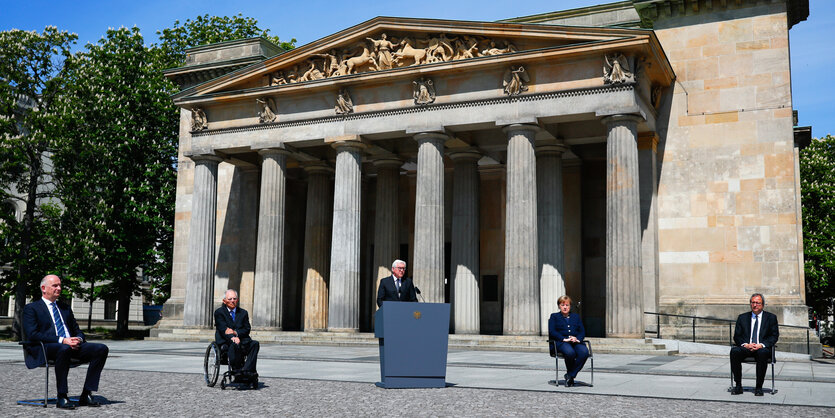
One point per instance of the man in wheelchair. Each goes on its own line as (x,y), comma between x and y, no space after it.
(232,335)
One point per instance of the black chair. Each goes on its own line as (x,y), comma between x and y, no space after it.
(552,350)
(216,356)
(753,360)
(47,363)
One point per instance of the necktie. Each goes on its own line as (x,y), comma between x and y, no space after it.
(232,312)
(59,324)
(755,335)
(398,287)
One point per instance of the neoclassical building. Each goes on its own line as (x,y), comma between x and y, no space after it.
(638,156)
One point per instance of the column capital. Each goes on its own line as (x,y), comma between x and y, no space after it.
(520,127)
(316,167)
(557,149)
(205,158)
(349,145)
(386,162)
(431,136)
(621,118)
(465,155)
(272,152)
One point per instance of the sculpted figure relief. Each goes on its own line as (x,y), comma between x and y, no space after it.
(386,52)
(198,119)
(344,105)
(267,113)
(514,81)
(616,69)
(423,91)
(382,49)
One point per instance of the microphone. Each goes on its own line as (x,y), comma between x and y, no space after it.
(417,291)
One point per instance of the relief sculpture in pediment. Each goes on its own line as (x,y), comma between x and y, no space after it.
(387,52)
(198,119)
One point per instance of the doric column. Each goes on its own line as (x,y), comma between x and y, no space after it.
(317,236)
(201,243)
(521,278)
(550,230)
(465,244)
(269,253)
(647,161)
(428,267)
(386,221)
(624,287)
(344,292)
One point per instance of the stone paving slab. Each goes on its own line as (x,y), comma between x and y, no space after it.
(671,377)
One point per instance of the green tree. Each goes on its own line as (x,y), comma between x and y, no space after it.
(32,69)
(204,30)
(817,183)
(115,167)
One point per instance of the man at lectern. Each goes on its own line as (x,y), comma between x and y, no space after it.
(396,287)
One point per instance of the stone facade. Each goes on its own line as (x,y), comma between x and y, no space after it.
(506,162)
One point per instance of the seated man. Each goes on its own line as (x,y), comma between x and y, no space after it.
(48,321)
(755,335)
(232,331)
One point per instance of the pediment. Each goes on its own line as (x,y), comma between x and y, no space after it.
(386,47)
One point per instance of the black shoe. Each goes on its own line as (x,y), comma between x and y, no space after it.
(65,403)
(758,392)
(569,382)
(737,390)
(87,400)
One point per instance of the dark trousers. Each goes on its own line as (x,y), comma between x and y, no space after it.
(763,357)
(237,352)
(575,355)
(93,353)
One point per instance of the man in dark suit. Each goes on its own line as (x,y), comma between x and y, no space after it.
(232,331)
(755,335)
(48,321)
(396,287)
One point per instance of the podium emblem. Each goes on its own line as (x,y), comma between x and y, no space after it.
(417,314)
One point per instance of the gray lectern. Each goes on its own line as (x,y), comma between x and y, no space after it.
(413,344)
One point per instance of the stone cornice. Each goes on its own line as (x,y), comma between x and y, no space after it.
(417,109)
(654,10)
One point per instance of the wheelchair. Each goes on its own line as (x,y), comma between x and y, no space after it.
(216,356)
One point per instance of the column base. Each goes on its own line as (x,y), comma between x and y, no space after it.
(345,330)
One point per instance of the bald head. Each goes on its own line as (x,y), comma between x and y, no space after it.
(51,287)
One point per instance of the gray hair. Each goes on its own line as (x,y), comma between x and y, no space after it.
(757,294)
(396,262)
(230,290)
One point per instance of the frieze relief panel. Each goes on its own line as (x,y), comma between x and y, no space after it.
(384,52)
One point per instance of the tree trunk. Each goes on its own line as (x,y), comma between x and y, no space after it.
(90,310)
(26,242)
(122,313)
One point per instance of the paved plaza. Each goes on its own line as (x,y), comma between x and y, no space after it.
(150,378)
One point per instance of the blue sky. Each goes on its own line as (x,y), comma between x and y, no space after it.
(812,53)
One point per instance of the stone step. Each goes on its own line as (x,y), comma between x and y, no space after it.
(470,342)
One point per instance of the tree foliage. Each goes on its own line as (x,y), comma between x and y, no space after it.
(104,117)
(115,167)
(817,182)
(204,30)
(32,70)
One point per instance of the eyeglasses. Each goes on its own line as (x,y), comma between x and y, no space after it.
(400,268)
(756,303)
(231,298)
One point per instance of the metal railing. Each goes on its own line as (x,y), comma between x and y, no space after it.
(730,323)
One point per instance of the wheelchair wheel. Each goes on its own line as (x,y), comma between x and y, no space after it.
(211,364)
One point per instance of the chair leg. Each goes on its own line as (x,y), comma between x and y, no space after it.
(592,371)
(46,386)
(557,368)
